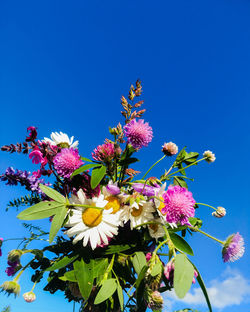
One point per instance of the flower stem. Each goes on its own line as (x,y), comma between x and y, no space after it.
(206,205)
(194,163)
(206,234)
(153,166)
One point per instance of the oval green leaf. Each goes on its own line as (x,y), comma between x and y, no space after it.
(107,289)
(97,176)
(181,244)
(61,263)
(183,275)
(51,193)
(84,168)
(139,261)
(157,268)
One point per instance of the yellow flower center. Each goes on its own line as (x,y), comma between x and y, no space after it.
(154,227)
(113,202)
(162,205)
(63,145)
(92,217)
(137,212)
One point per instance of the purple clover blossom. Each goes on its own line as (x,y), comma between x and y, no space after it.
(233,248)
(113,189)
(145,189)
(179,205)
(138,133)
(24,178)
(12,268)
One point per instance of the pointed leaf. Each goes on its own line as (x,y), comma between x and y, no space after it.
(157,268)
(41,210)
(51,193)
(106,291)
(69,276)
(117,248)
(120,295)
(85,277)
(139,261)
(84,168)
(183,275)
(86,159)
(181,244)
(100,267)
(61,263)
(97,176)
(57,222)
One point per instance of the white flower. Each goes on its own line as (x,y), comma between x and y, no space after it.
(156,230)
(138,213)
(92,225)
(209,156)
(29,296)
(61,139)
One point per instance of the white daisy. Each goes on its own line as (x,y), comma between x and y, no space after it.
(156,230)
(138,213)
(61,139)
(92,225)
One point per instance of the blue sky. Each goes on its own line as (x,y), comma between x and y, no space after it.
(64,66)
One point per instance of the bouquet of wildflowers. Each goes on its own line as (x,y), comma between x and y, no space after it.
(117,239)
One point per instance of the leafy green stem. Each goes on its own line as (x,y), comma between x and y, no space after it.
(206,205)
(194,163)
(206,234)
(153,166)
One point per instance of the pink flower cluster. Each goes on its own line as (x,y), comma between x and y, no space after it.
(105,152)
(138,133)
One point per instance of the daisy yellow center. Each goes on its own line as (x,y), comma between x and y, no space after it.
(113,202)
(137,212)
(63,145)
(162,204)
(92,217)
(154,227)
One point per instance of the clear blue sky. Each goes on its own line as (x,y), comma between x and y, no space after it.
(64,66)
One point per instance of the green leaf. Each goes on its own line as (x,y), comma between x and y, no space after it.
(140,285)
(139,261)
(120,295)
(85,276)
(69,276)
(128,161)
(181,156)
(61,263)
(157,268)
(100,267)
(183,275)
(180,181)
(41,210)
(97,175)
(86,159)
(117,248)
(57,222)
(191,158)
(203,287)
(107,289)
(181,244)
(84,168)
(51,193)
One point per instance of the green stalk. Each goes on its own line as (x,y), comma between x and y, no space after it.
(153,166)
(206,205)
(206,234)
(196,162)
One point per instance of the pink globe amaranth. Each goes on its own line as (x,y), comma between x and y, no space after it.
(138,133)
(233,248)
(105,152)
(67,161)
(179,205)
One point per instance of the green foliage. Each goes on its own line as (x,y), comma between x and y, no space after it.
(181,244)
(62,263)
(183,275)
(157,269)
(26,200)
(6,309)
(97,176)
(139,261)
(53,194)
(107,289)
(84,168)
(57,222)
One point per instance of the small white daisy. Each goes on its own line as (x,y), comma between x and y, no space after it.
(156,230)
(92,225)
(61,139)
(138,213)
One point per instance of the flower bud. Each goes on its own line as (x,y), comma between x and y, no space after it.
(14,255)
(155,301)
(209,156)
(29,296)
(11,287)
(170,149)
(219,213)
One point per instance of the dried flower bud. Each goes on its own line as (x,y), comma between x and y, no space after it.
(75,291)
(15,255)
(11,287)
(131,94)
(219,213)
(131,172)
(29,296)
(155,301)
(170,149)
(209,156)
(138,104)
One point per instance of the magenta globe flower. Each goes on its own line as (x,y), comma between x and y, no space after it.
(233,248)
(179,205)
(138,133)
(67,161)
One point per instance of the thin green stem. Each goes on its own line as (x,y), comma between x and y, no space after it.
(86,206)
(206,205)
(153,166)
(34,286)
(206,234)
(160,245)
(194,163)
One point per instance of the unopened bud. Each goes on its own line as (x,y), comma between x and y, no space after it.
(209,156)
(219,213)
(15,255)
(155,301)
(170,149)
(29,296)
